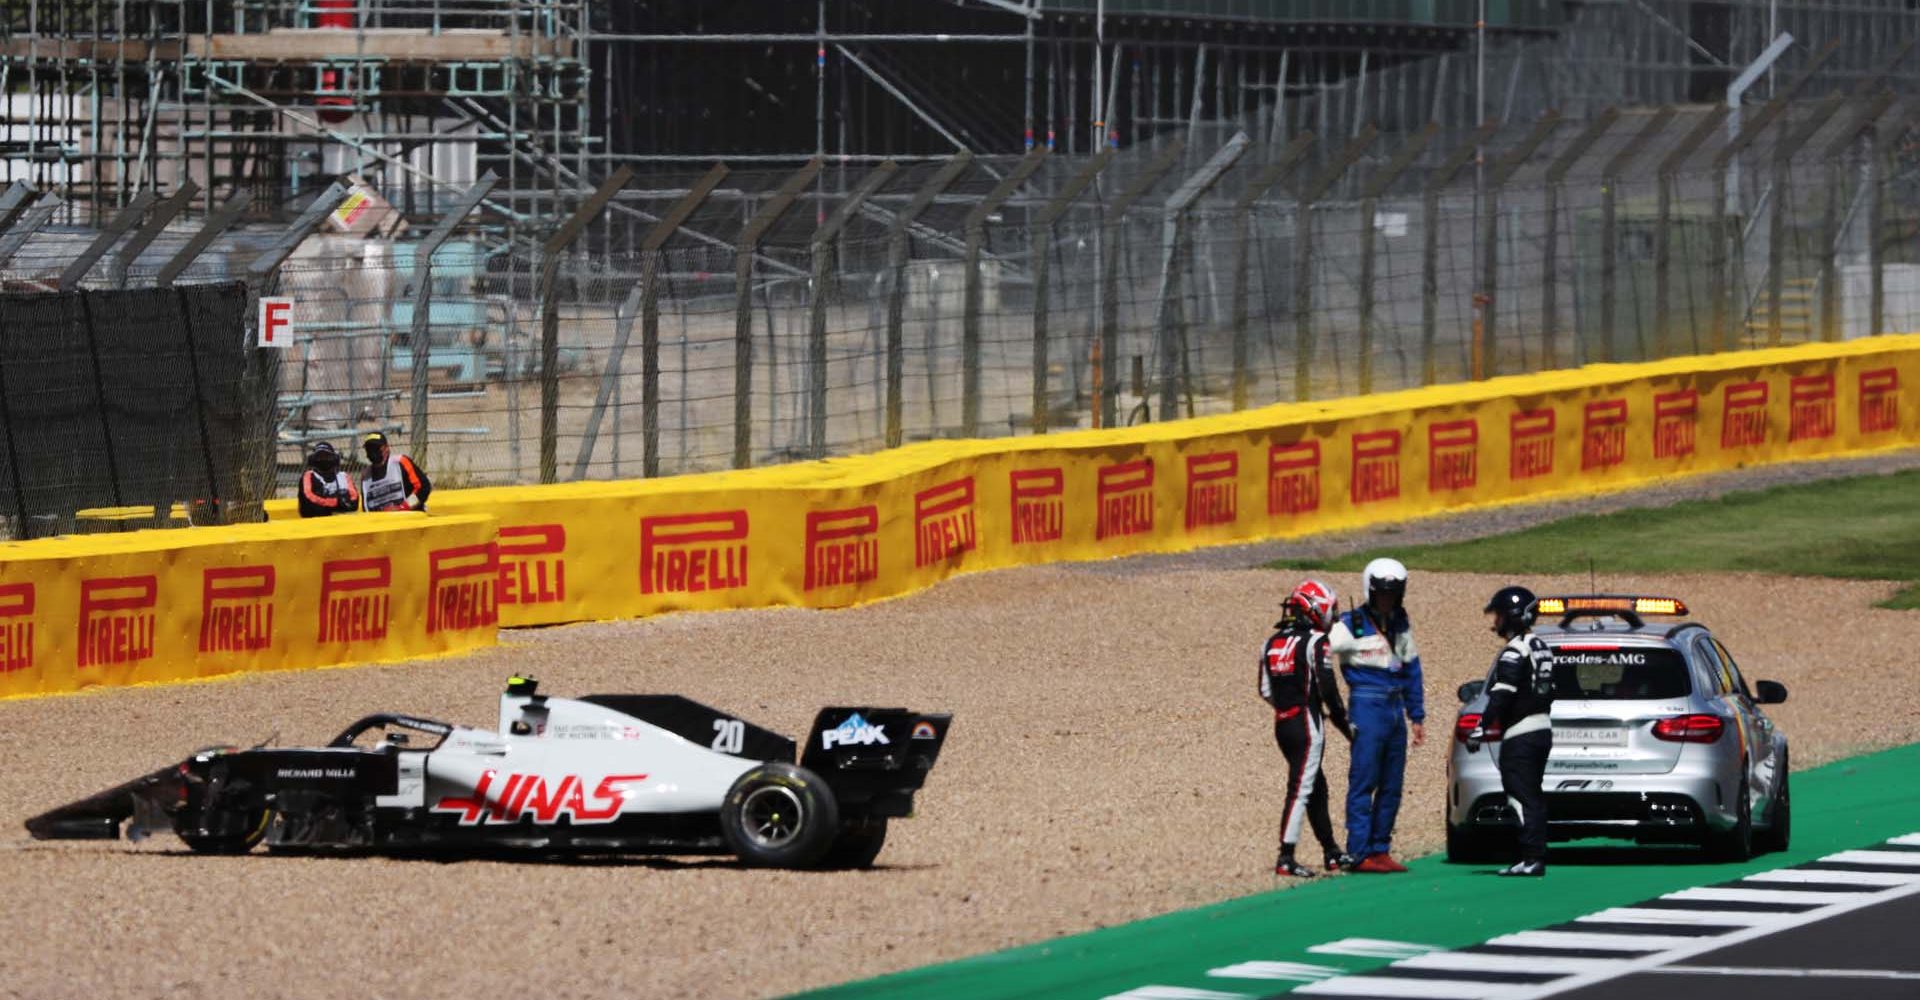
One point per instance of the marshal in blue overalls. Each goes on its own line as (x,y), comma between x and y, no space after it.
(1374,646)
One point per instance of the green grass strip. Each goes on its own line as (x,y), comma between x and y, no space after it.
(1864,528)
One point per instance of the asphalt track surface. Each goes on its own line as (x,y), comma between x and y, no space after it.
(1835,926)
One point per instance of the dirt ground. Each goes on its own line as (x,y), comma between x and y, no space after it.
(1109,760)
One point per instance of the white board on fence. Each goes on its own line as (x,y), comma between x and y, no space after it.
(276,322)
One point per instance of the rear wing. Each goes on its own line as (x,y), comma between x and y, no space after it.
(874,758)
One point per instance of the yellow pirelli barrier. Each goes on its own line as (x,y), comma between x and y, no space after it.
(844,531)
(172,605)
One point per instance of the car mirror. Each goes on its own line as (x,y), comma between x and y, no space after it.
(1770,692)
(1471,690)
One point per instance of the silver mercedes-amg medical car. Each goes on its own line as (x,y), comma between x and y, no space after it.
(1656,738)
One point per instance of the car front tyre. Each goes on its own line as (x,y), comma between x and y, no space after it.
(780,816)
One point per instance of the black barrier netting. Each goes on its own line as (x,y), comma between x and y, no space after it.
(138,398)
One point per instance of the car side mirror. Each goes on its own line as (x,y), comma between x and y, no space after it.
(1471,690)
(1770,692)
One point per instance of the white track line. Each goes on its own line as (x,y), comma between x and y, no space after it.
(1363,985)
(1730,894)
(1297,971)
(1910,840)
(1572,939)
(1774,973)
(1884,880)
(1902,859)
(1455,961)
(1685,918)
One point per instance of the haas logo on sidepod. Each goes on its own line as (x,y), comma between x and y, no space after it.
(16,627)
(1879,401)
(545,799)
(855,732)
(116,619)
(1039,505)
(692,553)
(1453,455)
(1293,478)
(236,609)
(1213,489)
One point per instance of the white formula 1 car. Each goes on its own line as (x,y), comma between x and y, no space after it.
(601,774)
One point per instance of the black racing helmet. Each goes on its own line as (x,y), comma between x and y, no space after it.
(1516,609)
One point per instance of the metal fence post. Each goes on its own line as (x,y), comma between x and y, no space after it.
(1486,346)
(164,212)
(219,222)
(1430,248)
(420,335)
(1880,162)
(650,248)
(123,220)
(1670,166)
(1177,237)
(1609,230)
(1303,257)
(1107,366)
(13,201)
(822,253)
(1550,252)
(1273,173)
(1376,186)
(899,251)
(28,222)
(1042,259)
(1777,215)
(976,230)
(1835,157)
(743,251)
(550,252)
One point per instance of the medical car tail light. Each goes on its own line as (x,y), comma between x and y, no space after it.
(1690,728)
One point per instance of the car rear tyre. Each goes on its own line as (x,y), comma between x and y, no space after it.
(1735,844)
(858,844)
(1779,833)
(780,816)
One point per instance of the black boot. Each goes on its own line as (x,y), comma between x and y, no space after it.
(1529,869)
(1291,868)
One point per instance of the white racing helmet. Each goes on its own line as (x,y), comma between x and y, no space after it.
(1385,575)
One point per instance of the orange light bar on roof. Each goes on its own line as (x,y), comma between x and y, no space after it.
(1637,605)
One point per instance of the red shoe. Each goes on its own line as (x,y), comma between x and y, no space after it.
(1374,864)
(1386,863)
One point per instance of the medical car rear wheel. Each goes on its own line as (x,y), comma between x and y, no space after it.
(780,816)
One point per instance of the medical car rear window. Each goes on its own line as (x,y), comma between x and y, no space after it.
(1607,672)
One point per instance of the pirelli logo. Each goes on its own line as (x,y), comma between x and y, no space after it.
(533,565)
(1376,467)
(843,547)
(355,605)
(1293,478)
(1676,417)
(116,620)
(693,553)
(1743,415)
(1811,405)
(1213,489)
(1530,444)
(944,528)
(1124,494)
(1453,455)
(1879,401)
(236,609)
(460,591)
(1039,504)
(1603,439)
(16,626)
